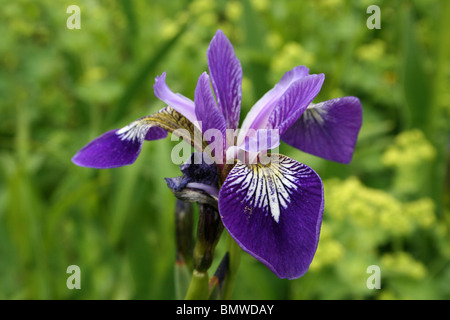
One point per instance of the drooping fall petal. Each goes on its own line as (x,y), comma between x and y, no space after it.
(274,212)
(117,148)
(328,129)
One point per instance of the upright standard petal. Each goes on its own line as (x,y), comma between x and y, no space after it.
(328,129)
(117,148)
(226,77)
(258,116)
(274,212)
(261,140)
(206,109)
(294,102)
(180,103)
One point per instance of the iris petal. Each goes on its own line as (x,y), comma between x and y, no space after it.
(259,114)
(226,78)
(294,101)
(274,212)
(117,148)
(155,133)
(180,103)
(206,109)
(328,129)
(262,140)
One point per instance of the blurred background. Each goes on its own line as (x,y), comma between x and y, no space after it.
(60,88)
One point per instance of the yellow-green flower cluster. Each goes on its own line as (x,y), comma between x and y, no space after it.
(260,5)
(371,52)
(422,212)
(357,221)
(234,10)
(402,263)
(375,210)
(329,251)
(411,156)
(410,148)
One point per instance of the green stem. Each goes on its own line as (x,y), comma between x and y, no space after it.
(182,279)
(199,286)
(235,258)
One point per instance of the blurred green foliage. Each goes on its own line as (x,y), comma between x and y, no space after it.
(60,88)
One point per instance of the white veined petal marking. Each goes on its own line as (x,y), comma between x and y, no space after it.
(135,131)
(314,112)
(268,187)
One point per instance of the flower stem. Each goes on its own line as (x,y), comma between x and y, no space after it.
(234,260)
(199,286)
(182,278)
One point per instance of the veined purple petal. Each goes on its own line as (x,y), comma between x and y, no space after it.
(108,151)
(262,140)
(180,103)
(117,148)
(294,101)
(259,114)
(155,133)
(274,212)
(328,129)
(226,78)
(206,109)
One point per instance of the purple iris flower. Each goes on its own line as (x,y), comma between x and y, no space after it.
(272,210)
